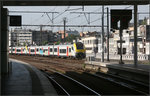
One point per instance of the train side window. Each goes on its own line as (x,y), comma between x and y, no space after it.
(69,49)
(62,50)
(18,50)
(72,48)
(44,50)
(37,49)
(51,49)
(13,49)
(55,49)
(32,50)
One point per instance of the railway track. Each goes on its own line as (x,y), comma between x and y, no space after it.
(66,85)
(104,84)
(126,82)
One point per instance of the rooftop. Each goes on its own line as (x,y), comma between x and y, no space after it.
(72,2)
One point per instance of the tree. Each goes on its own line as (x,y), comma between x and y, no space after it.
(44,42)
(24,43)
(144,21)
(71,37)
(57,43)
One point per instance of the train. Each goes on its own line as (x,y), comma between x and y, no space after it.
(75,50)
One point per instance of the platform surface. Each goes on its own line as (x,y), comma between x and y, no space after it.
(25,79)
(140,68)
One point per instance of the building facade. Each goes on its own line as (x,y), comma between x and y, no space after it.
(43,37)
(20,37)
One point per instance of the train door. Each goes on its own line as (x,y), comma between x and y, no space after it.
(73,51)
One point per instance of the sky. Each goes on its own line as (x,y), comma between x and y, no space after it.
(72,19)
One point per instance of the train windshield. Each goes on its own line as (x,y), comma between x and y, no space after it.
(79,45)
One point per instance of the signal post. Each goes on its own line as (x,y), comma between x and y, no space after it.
(124,16)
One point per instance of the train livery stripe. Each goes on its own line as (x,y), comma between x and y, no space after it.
(58,51)
(67,50)
(48,51)
(15,50)
(21,50)
(29,51)
(35,51)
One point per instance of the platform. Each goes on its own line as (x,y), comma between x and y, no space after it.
(24,79)
(139,72)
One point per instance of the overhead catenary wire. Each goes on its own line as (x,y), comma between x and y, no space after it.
(62,12)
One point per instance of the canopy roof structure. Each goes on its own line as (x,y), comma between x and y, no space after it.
(72,2)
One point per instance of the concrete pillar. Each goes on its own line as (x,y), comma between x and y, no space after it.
(135,35)
(0,36)
(102,35)
(4,40)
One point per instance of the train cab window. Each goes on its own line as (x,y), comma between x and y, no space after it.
(69,49)
(51,49)
(79,45)
(55,49)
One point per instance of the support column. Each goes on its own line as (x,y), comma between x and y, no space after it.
(121,50)
(107,34)
(4,40)
(135,35)
(0,36)
(64,29)
(102,36)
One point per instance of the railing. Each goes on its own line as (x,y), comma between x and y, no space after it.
(140,57)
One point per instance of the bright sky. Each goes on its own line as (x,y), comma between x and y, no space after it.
(72,19)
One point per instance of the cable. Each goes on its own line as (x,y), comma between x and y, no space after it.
(62,12)
(39,18)
(97,19)
(128,7)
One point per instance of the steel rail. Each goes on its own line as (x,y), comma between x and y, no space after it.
(79,83)
(47,75)
(119,83)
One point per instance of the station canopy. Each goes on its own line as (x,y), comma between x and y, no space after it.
(72,2)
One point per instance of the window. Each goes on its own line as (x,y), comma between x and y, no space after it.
(37,49)
(18,50)
(44,50)
(69,49)
(55,49)
(88,48)
(32,50)
(62,50)
(51,50)
(72,48)
(79,45)
(13,49)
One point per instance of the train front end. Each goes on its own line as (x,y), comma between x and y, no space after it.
(80,51)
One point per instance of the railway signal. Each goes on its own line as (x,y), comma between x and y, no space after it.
(124,16)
